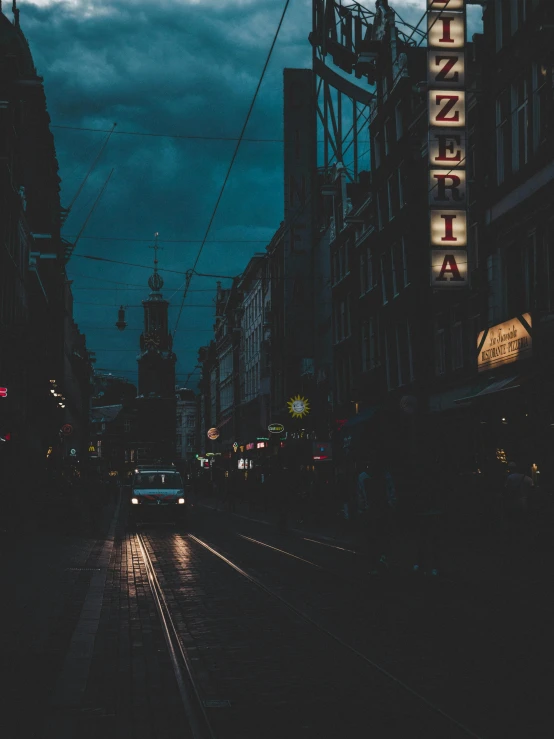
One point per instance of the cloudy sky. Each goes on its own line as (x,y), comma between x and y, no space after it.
(171,69)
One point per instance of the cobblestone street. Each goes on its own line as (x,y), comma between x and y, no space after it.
(284,635)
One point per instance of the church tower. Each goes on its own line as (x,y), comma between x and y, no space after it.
(156,361)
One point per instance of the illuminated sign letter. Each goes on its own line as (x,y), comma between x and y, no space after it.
(447,108)
(448,227)
(446,69)
(445,4)
(447,187)
(449,267)
(445,30)
(447,148)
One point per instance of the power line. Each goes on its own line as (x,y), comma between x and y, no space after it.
(171,241)
(190,273)
(114,305)
(168,135)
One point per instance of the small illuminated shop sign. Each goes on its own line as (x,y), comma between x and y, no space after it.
(250,446)
(447,183)
(261,445)
(505,343)
(3,392)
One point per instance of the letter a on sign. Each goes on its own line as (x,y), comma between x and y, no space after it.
(448,268)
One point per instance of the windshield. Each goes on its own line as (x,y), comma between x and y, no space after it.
(158,480)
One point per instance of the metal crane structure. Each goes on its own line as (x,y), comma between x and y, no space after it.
(345,41)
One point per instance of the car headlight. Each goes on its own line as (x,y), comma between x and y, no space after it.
(134,501)
(181,501)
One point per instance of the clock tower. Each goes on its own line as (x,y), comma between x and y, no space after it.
(156,361)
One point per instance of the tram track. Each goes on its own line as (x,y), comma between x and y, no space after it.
(188,687)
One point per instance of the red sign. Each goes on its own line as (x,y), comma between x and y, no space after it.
(67,429)
(3,392)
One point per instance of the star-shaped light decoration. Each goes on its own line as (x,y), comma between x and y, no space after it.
(298,406)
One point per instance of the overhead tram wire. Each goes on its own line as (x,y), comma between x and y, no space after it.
(172,241)
(91,169)
(169,135)
(187,282)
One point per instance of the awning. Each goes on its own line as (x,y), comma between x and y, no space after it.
(508,383)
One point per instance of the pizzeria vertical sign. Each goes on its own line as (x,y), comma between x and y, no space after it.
(446,34)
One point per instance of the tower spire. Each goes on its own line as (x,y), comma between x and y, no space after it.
(155,280)
(15,11)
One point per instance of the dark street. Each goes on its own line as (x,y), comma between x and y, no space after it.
(234,629)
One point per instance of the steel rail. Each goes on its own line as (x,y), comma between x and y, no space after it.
(186,682)
(303,615)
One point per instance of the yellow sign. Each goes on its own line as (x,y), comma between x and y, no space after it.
(92,449)
(299,406)
(505,343)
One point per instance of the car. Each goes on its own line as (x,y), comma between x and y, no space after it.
(157,494)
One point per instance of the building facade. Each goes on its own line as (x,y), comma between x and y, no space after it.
(44,365)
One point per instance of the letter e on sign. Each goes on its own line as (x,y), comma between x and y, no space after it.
(447,148)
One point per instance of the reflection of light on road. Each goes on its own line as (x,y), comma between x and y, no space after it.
(275,549)
(333,546)
(180,550)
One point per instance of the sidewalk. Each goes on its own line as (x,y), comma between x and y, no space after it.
(51,562)
(496,553)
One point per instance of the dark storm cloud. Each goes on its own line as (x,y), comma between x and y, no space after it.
(183,68)
(166,67)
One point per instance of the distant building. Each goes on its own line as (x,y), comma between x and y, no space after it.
(186,423)
(156,400)
(254,400)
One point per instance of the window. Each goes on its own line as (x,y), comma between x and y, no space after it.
(387,136)
(519,123)
(370,279)
(492,266)
(365,346)
(410,354)
(383,281)
(377,151)
(398,120)
(440,352)
(503,144)
(503,22)
(127,425)
(405,276)
(400,176)
(393,264)
(470,154)
(530,271)
(178,440)
(542,95)
(391,196)
(379,214)
(387,361)
(520,11)
(363,273)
